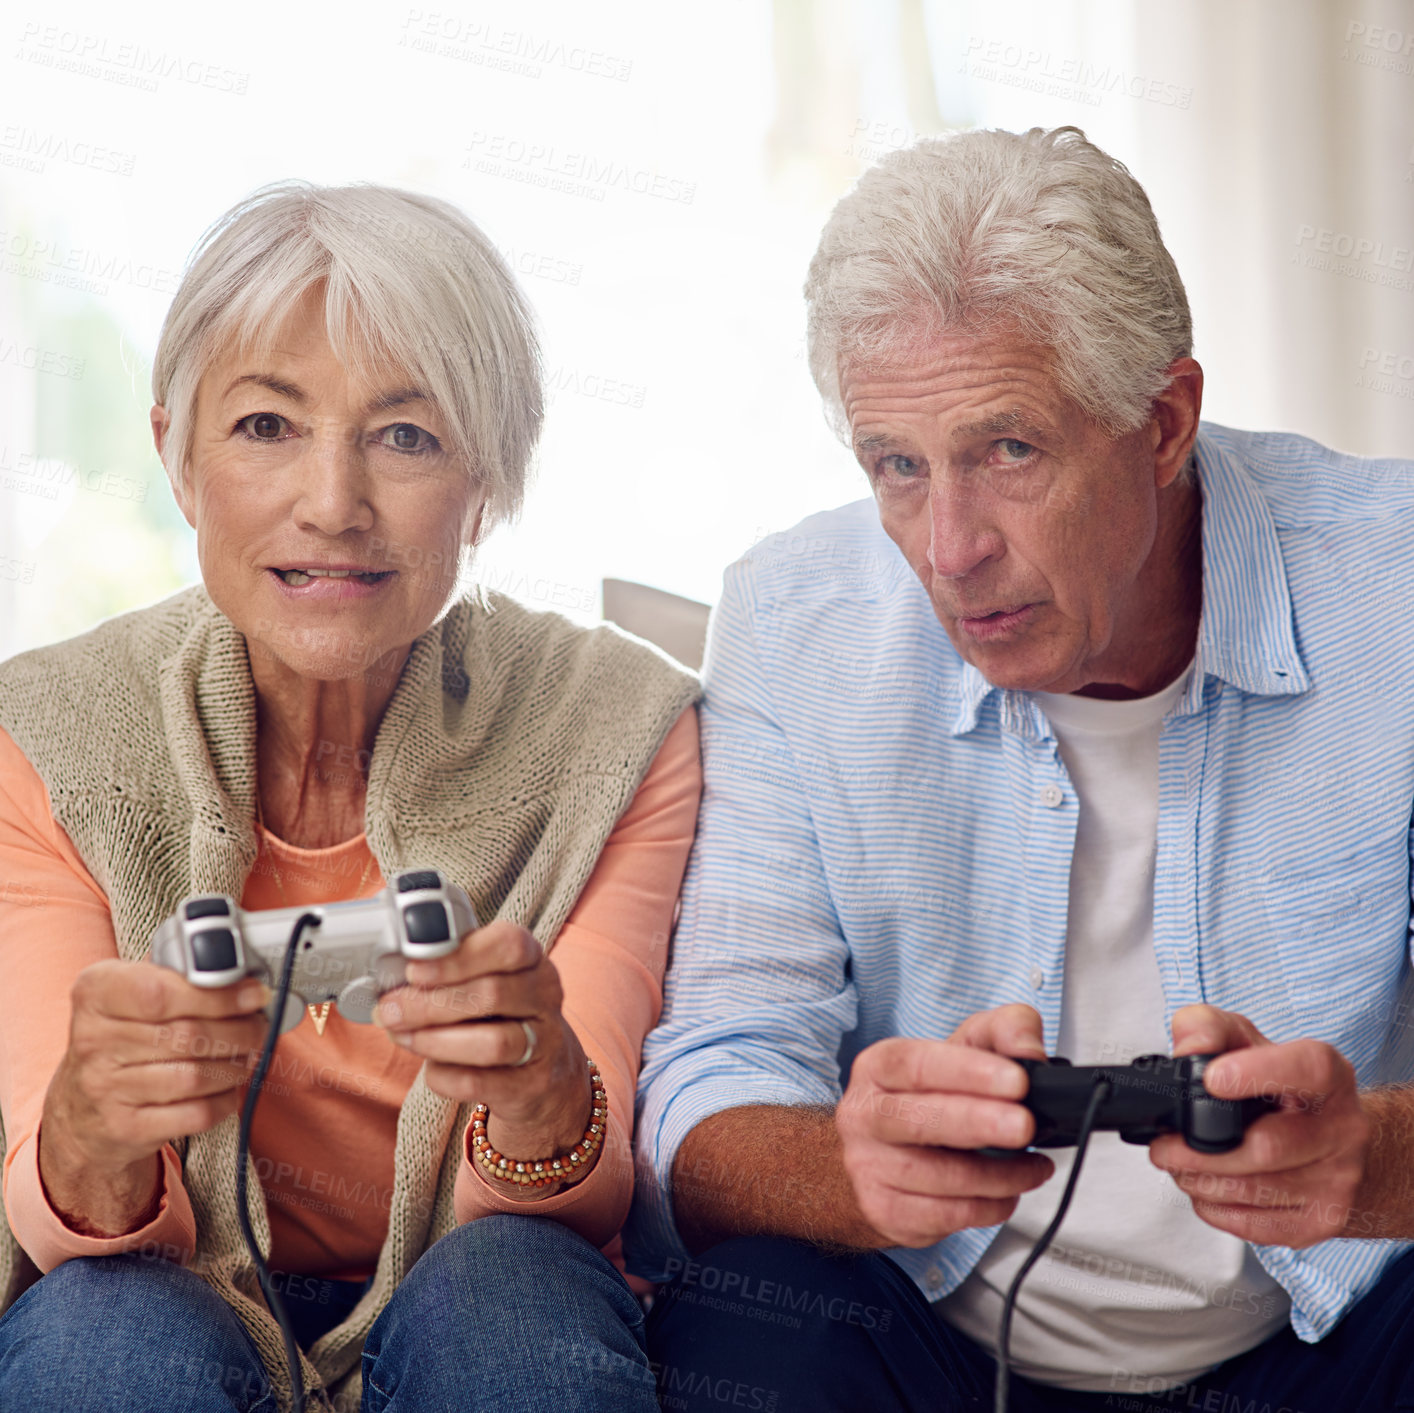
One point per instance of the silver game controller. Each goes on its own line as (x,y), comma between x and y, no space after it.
(355,951)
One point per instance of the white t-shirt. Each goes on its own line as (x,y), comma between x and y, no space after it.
(1135,1286)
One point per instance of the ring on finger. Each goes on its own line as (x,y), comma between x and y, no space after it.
(529,1045)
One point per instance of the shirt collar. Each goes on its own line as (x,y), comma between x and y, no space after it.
(1245,634)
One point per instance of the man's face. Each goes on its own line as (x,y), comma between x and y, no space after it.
(1028,525)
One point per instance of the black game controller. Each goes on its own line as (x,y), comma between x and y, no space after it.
(1157,1094)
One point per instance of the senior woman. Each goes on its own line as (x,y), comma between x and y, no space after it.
(348,394)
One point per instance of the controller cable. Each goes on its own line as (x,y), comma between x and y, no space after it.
(1098,1095)
(257,1082)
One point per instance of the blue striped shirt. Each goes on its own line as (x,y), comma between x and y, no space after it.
(885,840)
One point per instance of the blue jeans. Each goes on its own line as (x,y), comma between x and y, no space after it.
(781,1327)
(506,1312)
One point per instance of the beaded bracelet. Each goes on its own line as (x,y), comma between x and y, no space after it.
(543,1172)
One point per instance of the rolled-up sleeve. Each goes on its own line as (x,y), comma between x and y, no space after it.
(758,995)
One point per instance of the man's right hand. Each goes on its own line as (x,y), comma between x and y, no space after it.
(916,1111)
(151,1058)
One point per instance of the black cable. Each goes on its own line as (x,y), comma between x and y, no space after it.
(257,1082)
(1098,1095)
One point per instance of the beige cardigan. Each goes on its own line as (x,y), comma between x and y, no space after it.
(513,742)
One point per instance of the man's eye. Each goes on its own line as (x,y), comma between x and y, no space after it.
(1014,450)
(898,467)
(263,427)
(404,436)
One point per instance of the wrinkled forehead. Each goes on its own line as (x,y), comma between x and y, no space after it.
(922,372)
(911,338)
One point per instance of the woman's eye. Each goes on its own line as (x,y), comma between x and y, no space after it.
(1014,450)
(899,467)
(263,427)
(404,436)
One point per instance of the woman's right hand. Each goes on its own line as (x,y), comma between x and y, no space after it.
(151,1058)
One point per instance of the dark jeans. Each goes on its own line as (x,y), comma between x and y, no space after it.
(816,1332)
(507,1313)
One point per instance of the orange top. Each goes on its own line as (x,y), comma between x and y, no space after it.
(325,1128)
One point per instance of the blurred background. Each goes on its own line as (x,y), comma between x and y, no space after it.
(657,176)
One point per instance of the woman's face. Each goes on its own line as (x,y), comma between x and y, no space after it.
(330,517)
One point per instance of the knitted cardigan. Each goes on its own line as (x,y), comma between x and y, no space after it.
(513,742)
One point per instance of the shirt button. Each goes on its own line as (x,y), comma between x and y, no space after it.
(933,1279)
(1038,978)
(1052,796)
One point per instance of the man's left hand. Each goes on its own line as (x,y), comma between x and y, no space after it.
(1294,1179)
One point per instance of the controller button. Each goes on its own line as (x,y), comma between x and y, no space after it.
(426,923)
(214,950)
(422,878)
(206,907)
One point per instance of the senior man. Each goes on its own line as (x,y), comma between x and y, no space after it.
(1109,752)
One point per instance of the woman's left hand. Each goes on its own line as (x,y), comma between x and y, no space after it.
(467,1014)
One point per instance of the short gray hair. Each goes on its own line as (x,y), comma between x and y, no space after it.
(1038,230)
(407,280)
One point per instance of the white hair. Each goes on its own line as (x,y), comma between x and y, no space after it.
(407,281)
(1038,231)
